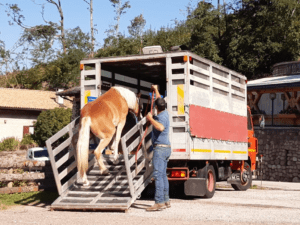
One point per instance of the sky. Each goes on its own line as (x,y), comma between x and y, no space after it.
(157,13)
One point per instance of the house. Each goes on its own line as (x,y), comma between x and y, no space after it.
(277,97)
(19,109)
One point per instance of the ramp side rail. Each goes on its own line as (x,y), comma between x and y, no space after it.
(130,142)
(63,156)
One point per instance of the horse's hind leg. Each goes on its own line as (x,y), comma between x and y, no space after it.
(98,153)
(118,137)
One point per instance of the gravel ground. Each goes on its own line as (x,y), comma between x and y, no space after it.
(226,207)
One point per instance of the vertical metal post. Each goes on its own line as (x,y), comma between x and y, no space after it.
(272,112)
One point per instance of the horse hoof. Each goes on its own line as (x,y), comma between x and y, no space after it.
(116,161)
(104,172)
(86,184)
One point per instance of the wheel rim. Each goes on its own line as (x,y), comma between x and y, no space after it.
(245,176)
(210,181)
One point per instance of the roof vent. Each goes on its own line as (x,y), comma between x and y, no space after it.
(59,99)
(152,49)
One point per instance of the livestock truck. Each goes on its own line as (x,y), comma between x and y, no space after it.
(211,129)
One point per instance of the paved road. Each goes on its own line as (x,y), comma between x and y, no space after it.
(226,207)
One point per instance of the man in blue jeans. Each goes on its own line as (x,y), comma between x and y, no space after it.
(161,154)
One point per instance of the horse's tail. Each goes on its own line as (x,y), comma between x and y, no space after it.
(83,145)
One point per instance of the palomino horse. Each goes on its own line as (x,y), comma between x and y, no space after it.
(105,117)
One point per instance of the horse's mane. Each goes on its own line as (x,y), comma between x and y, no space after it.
(128,95)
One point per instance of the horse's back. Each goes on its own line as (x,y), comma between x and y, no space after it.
(107,110)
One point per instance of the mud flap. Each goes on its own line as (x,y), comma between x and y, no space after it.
(195,187)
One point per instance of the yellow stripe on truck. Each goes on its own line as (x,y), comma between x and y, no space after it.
(239,152)
(222,151)
(180,99)
(201,150)
(86,94)
(251,150)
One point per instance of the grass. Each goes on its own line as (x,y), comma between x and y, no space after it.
(8,200)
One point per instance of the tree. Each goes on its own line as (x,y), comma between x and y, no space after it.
(252,37)
(39,39)
(120,9)
(49,123)
(137,26)
(205,34)
(57,4)
(262,33)
(62,71)
(92,27)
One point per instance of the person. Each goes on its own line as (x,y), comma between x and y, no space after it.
(161,152)
(262,121)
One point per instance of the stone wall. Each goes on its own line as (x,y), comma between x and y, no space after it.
(280,148)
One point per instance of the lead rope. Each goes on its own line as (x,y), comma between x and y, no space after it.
(139,146)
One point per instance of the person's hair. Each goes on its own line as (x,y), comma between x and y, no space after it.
(160,103)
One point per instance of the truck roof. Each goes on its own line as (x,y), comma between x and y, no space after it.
(152,65)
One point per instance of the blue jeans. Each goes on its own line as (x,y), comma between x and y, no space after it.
(161,157)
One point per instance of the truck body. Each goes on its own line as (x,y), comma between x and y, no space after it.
(211,130)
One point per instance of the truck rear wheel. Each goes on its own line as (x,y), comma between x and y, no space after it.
(246,179)
(210,182)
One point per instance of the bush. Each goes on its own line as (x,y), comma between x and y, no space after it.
(28,142)
(9,144)
(49,123)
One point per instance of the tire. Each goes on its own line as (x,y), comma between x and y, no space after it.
(210,186)
(244,185)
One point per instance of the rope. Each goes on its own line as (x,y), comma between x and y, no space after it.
(139,146)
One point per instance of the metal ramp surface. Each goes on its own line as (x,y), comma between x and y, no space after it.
(113,192)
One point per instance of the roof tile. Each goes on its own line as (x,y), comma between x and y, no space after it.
(29,99)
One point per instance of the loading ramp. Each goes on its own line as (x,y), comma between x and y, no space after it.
(113,192)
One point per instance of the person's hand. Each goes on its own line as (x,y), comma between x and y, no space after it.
(149,116)
(154,87)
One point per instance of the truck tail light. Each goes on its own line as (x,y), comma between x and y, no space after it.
(179,173)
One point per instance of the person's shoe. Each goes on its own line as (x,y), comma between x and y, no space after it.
(156,207)
(168,204)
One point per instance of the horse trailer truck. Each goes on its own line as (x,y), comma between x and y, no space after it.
(211,130)
(211,133)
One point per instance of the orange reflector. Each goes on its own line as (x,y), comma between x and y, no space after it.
(81,66)
(179,150)
(185,58)
(178,173)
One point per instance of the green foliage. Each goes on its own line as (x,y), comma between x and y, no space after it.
(165,37)
(262,33)
(118,47)
(9,144)
(32,78)
(65,71)
(50,122)
(252,37)
(204,22)
(27,142)
(137,26)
